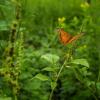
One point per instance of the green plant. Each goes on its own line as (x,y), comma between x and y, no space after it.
(33,62)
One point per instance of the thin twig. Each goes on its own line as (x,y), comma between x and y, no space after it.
(58,75)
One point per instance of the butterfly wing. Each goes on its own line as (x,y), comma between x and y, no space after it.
(64,36)
(74,38)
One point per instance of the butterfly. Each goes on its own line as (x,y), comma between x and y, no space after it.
(66,38)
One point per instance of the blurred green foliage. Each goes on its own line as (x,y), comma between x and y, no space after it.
(30,72)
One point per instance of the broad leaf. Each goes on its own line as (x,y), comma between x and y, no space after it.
(81,62)
(50,69)
(98,85)
(42,77)
(52,58)
(5,98)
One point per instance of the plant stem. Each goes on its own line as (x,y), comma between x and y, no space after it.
(57,79)
(59,72)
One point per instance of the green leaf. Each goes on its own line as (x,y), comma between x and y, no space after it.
(5,98)
(3,26)
(32,84)
(98,85)
(81,62)
(50,69)
(67,66)
(53,85)
(52,58)
(42,77)
(25,75)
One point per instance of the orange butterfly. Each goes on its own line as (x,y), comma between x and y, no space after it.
(66,38)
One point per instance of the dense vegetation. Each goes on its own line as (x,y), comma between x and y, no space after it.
(34,64)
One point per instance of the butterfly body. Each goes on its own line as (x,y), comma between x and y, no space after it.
(66,38)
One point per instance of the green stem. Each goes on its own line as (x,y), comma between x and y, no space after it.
(57,79)
(62,67)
